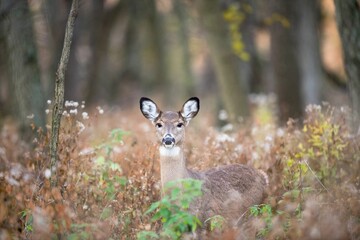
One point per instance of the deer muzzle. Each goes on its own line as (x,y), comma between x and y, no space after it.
(168,141)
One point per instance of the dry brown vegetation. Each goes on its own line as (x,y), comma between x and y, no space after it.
(109,177)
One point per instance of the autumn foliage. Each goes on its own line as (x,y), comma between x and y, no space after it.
(108,175)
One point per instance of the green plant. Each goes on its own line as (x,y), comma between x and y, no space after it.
(27,217)
(173,210)
(265,211)
(314,158)
(105,166)
(216,222)
(324,144)
(320,148)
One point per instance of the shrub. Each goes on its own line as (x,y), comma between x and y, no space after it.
(173,210)
(108,178)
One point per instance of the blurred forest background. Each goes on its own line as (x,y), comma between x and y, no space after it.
(224,51)
(255,62)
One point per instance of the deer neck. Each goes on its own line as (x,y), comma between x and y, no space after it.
(172,164)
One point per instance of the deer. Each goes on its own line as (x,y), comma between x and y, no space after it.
(228,190)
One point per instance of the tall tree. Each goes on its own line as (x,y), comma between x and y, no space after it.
(309,51)
(27,96)
(233,92)
(59,90)
(183,20)
(102,22)
(248,60)
(55,13)
(284,58)
(180,80)
(144,41)
(4,97)
(348,21)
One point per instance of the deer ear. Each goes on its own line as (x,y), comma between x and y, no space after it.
(190,108)
(149,109)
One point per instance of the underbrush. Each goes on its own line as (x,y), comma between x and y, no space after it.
(108,176)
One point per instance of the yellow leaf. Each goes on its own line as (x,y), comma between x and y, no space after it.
(290,162)
(305,128)
(300,146)
(245,56)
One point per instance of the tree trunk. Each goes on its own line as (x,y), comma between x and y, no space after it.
(27,96)
(131,67)
(309,55)
(145,60)
(77,74)
(55,13)
(179,82)
(100,83)
(348,21)
(157,33)
(4,74)
(249,69)
(284,58)
(185,77)
(233,93)
(96,89)
(59,91)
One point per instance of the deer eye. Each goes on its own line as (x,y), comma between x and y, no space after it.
(158,125)
(180,125)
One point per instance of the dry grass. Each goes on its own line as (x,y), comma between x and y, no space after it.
(105,186)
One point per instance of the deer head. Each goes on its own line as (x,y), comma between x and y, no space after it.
(170,125)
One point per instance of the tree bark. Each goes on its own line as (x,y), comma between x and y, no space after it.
(233,92)
(59,90)
(27,96)
(284,59)
(348,21)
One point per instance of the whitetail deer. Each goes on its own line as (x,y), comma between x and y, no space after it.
(227,191)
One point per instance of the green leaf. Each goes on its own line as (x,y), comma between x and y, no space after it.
(117,134)
(121,180)
(303,167)
(266,209)
(73,236)
(100,161)
(216,222)
(115,167)
(171,209)
(153,207)
(254,210)
(145,235)
(175,193)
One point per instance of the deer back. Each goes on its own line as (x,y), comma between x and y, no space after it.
(229,191)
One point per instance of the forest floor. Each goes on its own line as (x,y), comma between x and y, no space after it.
(108,175)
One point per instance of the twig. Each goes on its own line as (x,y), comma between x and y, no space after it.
(307,164)
(242,215)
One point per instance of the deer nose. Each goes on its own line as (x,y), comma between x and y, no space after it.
(168,140)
